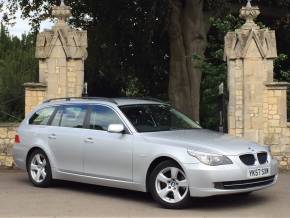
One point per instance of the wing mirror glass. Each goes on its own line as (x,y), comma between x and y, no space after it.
(116,128)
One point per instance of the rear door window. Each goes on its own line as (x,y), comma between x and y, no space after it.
(42,116)
(72,116)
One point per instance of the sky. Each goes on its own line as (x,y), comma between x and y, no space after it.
(22,26)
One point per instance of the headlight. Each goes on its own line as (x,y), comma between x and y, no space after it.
(210,159)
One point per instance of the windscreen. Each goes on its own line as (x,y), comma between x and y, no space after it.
(160,117)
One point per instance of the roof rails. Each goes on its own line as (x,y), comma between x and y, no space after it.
(81,98)
(143,98)
(111,100)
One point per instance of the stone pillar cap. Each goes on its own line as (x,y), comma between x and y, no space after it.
(249,14)
(34,85)
(62,13)
(277,85)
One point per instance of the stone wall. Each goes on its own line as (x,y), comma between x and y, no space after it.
(276,127)
(7,137)
(35,93)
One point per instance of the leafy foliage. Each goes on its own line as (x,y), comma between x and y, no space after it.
(17,66)
(129,46)
(215,69)
(282,73)
(127,40)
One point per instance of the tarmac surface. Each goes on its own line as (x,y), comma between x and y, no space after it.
(18,198)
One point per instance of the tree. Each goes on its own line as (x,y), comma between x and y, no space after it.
(156,45)
(126,33)
(136,39)
(17,66)
(127,41)
(188,35)
(214,68)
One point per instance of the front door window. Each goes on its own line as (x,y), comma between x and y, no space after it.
(101,117)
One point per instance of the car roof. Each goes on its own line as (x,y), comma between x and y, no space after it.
(109,101)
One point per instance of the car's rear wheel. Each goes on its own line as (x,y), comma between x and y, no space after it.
(39,170)
(169,186)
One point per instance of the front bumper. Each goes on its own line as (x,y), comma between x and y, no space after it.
(204,180)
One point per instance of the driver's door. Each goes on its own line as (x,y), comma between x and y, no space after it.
(107,155)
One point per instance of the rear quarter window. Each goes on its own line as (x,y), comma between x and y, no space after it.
(42,116)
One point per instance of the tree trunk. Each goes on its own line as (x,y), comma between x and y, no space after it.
(188,37)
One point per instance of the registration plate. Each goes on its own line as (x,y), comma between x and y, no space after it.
(258,172)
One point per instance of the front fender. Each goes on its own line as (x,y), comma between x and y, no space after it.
(146,154)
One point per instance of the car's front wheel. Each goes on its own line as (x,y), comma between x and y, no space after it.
(169,186)
(39,170)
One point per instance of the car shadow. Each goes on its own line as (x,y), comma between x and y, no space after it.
(229,201)
(209,203)
(215,202)
(103,191)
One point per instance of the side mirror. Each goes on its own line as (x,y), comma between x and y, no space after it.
(116,128)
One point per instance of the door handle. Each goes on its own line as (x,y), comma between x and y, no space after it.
(89,140)
(52,136)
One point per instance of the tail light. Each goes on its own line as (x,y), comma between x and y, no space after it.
(17,139)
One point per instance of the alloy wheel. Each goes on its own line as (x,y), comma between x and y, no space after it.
(38,168)
(171,185)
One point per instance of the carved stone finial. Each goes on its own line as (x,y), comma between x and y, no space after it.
(61,12)
(249,14)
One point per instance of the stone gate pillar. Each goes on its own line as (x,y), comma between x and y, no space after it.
(250,52)
(257,105)
(61,52)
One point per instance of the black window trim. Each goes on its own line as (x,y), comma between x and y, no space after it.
(53,115)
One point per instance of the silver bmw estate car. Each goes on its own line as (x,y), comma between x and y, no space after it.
(138,144)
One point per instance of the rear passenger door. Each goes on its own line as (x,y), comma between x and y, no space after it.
(66,136)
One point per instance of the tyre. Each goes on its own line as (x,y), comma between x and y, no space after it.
(39,170)
(168,185)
